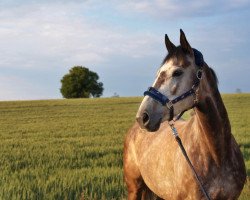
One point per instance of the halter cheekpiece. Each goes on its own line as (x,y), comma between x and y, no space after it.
(165,101)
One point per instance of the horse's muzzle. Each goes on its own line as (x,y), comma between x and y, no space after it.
(150,124)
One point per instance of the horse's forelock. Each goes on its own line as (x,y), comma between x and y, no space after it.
(179,55)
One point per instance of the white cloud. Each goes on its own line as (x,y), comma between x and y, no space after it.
(50,37)
(56,34)
(171,10)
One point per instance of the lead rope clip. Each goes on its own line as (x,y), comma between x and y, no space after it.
(174,131)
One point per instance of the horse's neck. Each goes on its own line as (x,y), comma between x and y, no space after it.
(212,119)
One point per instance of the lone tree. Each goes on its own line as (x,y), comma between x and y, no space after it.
(80,82)
(238,90)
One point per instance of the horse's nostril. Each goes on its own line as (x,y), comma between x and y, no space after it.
(145,118)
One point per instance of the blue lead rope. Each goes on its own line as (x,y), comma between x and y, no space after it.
(178,140)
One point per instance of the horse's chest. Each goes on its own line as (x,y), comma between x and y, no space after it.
(169,181)
(175,180)
(167,174)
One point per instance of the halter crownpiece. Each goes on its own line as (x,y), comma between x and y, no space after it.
(165,101)
(198,57)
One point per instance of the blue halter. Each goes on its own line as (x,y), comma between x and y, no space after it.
(165,101)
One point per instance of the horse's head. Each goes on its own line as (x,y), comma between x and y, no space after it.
(177,76)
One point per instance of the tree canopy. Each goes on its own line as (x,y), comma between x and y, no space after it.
(80,82)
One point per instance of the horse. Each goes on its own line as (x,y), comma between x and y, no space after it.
(153,164)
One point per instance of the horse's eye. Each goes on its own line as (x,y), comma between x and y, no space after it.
(177,73)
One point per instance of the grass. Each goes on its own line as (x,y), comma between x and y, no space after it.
(62,149)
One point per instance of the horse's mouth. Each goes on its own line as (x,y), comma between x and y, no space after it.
(153,127)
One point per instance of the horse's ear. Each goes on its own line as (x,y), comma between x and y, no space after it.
(184,43)
(170,46)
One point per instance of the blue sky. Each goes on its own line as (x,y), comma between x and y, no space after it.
(123,41)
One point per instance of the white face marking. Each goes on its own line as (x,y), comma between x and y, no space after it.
(174,86)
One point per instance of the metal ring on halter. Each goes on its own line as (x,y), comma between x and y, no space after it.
(199,74)
(169,104)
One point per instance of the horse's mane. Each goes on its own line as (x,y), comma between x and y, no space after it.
(214,75)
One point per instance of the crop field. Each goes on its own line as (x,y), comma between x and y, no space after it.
(67,149)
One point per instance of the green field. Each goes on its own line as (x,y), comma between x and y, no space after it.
(60,149)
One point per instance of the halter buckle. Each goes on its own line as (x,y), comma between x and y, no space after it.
(194,87)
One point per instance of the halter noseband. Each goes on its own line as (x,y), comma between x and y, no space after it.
(165,101)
